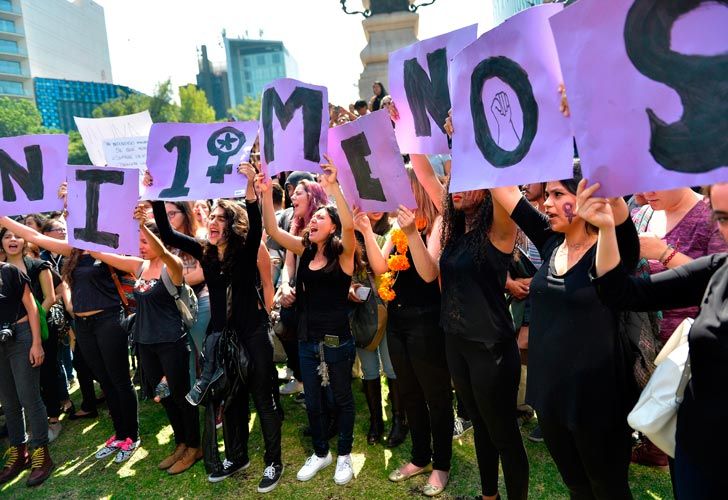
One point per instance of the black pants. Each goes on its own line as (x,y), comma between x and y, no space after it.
(486,379)
(172,360)
(594,464)
(417,349)
(293,362)
(104,345)
(85,380)
(49,389)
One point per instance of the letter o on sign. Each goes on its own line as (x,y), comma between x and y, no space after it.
(515,77)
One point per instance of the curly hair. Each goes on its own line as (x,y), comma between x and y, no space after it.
(453,226)
(316,199)
(333,246)
(236,231)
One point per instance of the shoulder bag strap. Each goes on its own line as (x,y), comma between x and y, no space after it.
(122,295)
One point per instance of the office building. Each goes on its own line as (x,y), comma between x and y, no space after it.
(60,100)
(252,64)
(213,81)
(503,9)
(58,39)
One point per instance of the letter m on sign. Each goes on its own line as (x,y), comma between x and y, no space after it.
(311,102)
(29,179)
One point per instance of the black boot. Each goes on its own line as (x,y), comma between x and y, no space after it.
(398,432)
(373,391)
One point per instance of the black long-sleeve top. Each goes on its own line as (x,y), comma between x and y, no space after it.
(704,283)
(576,372)
(246,308)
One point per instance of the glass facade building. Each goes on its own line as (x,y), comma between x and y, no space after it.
(252,64)
(503,9)
(60,100)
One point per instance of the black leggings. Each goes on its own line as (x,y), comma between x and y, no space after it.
(171,360)
(49,387)
(486,379)
(593,463)
(105,349)
(417,349)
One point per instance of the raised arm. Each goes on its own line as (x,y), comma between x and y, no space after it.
(126,263)
(31,235)
(503,231)
(377,262)
(171,237)
(283,238)
(266,276)
(174,264)
(427,177)
(348,240)
(425,257)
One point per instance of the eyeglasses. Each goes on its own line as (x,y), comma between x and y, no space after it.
(58,230)
(172,213)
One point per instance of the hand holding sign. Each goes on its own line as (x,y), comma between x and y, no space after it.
(406,221)
(592,209)
(328,178)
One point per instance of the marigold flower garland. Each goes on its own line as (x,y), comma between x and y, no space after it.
(396,263)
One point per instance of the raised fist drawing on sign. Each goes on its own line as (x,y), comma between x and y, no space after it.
(506,136)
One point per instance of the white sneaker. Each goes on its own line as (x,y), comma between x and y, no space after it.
(344,470)
(313,464)
(292,387)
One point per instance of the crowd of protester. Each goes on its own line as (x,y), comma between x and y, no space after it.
(506,300)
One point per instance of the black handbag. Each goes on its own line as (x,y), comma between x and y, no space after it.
(368,320)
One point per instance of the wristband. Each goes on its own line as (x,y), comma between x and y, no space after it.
(664,254)
(669,257)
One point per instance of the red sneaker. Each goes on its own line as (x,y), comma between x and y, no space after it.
(646,453)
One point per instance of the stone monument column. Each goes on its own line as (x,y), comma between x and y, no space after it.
(388,25)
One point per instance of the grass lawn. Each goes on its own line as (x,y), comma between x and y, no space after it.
(79,475)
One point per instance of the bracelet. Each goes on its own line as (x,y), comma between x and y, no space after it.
(669,257)
(664,254)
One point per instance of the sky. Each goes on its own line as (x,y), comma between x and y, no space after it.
(152,40)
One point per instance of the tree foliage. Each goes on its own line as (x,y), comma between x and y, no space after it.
(160,105)
(194,107)
(247,111)
(19,117)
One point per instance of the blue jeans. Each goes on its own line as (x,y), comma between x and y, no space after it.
(370,361)
(339,360)
(197,334)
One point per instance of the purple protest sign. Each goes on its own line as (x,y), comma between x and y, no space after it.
(370,166)
(648,91)
(32,168)
(294,123)
(196,161)
(418,84)
(101,203)
(508,128)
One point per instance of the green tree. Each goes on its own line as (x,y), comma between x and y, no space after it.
(194,107)
(247,111)
(160,105)
(77,154)
(18,117)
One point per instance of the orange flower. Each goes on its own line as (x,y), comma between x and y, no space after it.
(400,241)
(386,294)
(398,262)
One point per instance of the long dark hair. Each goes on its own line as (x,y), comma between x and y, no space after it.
(453,226)
(377,99)
(190,224)
(69,265)
(333,246)
(236,231)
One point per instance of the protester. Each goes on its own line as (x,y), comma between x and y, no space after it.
(375,102)
(229,260)
(103,341)
(21,355)
(699,470)
(327,260)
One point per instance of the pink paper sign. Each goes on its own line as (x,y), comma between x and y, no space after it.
(418,84)
(508,128)
(294,125)
(32,168)
(196,161)
(647,83)
(101,203)
(370,166)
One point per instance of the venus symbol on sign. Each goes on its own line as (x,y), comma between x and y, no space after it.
(223,144)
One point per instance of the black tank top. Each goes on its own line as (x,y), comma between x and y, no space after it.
(322,299)
(157,318)
(412,290)
(93,287)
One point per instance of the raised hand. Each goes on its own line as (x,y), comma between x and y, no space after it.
(328,179)
(406,221)
(594,210)
(389,105)
(449,129)
(141,215)
(564,103)
(361,222)
(262,183)
(147,180)
(248,170)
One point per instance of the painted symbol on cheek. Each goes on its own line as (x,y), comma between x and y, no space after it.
(569,212)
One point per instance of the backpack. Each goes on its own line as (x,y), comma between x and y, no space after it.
(184,298)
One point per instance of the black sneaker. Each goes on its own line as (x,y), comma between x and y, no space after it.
(228,469)
(271,475)
(536,435)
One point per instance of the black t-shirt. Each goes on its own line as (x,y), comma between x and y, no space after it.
(322,301)
(157,318)
(411,290)
(474,306)
(33,268)
(93,288)
(12,289)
